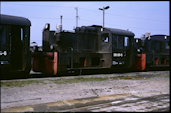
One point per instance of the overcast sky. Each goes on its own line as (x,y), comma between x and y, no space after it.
(138,17)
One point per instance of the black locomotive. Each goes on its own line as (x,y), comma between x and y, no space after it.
(15,55)
(156,48)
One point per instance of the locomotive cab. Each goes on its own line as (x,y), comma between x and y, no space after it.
(110,48)
(122,48)
(15,53)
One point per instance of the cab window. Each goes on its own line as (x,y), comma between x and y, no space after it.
(105,37)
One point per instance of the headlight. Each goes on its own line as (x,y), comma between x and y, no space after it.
(138,50)
(51,47)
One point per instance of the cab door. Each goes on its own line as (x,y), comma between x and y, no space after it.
(121,50)
(17,47)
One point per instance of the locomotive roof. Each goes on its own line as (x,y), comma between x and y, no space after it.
(121,32)
(116,31)
(14,20)
(159,35)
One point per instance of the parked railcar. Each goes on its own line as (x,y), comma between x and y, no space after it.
(152,52)
(15,53)
(89,47)
(157,49)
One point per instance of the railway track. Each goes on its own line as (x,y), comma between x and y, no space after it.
(159,103)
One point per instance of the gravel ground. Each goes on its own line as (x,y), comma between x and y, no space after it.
(146,84)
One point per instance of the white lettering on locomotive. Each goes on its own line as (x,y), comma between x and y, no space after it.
(3,53)
(117,54)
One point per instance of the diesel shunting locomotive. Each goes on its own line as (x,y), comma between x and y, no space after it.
(89,47)
(156,50)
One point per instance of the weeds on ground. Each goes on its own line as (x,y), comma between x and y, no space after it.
(75,80)
(19,83)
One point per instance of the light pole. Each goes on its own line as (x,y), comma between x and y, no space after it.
(61,24)
(103,9)
(76,16)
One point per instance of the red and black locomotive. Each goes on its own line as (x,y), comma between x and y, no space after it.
(15,55)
